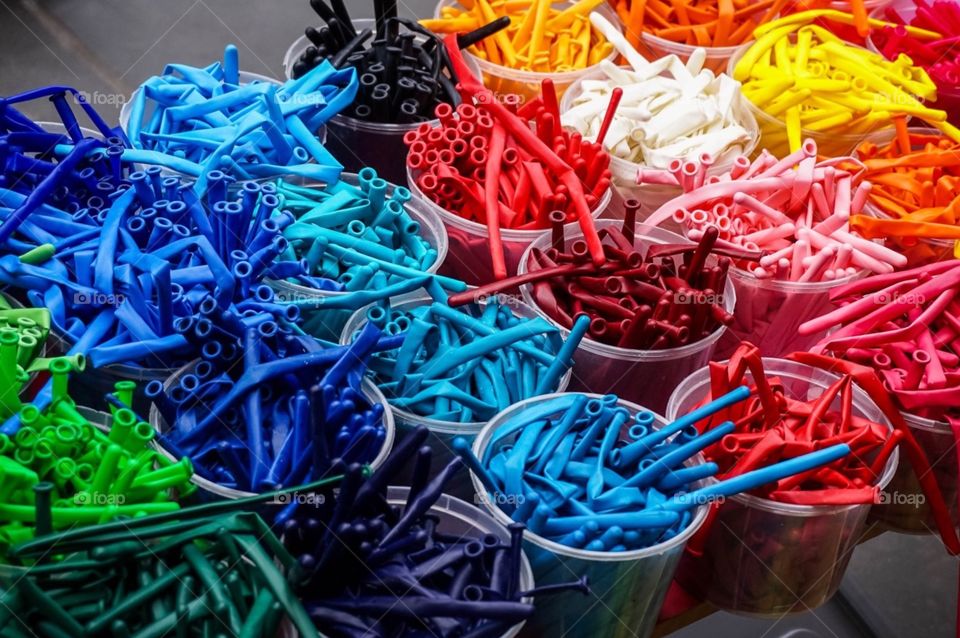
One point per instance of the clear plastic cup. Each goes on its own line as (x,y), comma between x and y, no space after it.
(327,324)
(442,433)
(919,251)
(628,588)
(717,57)
(769,312)
(948,97)
(215,491)
(360,143)
(653,196)
(761,557)
(642,376)
(903,506)
(773,130)
(468,258)
(504,81)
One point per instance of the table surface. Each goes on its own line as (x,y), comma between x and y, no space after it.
(896,586)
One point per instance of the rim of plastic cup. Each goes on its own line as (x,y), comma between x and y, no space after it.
(918,422)
(793,287)
(507,234)
(367,388)
(480,520)
(765,118)
(626,169)
(300,45)
(358,319)
(479,448)
(699,381)
(629,354)
(686,49)
(534,77)
(246,77)
(418,211)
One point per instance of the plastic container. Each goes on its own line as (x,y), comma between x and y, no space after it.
(642,376)
(948,98)
(359,143)
(766,558)
(653,196)
(442,433)
(469,251)
(918,251)
(628,588)
(903,506)
(773,130)
(327,324)
(504,81)
(769,312)
(215,491)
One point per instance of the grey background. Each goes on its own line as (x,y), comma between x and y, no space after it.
(896,586)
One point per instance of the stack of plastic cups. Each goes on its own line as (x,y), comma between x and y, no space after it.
(653,196)
(764,557)
(468,257)
(642,376)
(328,323)
(918,251)
(948,99)
(504,81)
(358,143)
(629,587)
(215,491)
(442,433)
